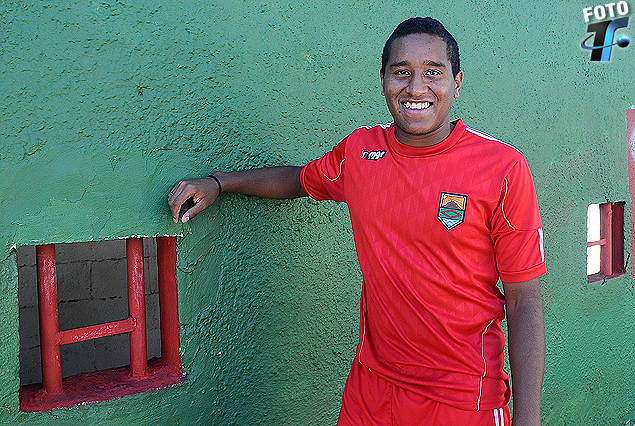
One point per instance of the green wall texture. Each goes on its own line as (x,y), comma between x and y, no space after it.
(106,104)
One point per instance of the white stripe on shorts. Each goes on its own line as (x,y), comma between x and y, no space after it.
(498,417)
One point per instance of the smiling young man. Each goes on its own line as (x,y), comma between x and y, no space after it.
(454,211)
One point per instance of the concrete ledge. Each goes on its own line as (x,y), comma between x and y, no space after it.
(99,386)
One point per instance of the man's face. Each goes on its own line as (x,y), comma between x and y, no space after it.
(419,89)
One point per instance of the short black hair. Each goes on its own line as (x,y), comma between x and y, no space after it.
(424,26)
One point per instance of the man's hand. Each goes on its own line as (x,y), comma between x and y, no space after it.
(203,192)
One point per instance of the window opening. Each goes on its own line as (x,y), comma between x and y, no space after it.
(141,374)
(605,241)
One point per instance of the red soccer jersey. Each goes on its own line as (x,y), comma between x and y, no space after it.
(434,229)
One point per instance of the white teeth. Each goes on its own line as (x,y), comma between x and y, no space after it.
(417,105)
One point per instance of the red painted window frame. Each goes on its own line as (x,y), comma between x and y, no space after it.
(611,242)
(142,375)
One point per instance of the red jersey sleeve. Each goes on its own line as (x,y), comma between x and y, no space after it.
(323,179)
(517,228)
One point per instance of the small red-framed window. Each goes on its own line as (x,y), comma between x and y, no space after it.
(605,241)
(142,374)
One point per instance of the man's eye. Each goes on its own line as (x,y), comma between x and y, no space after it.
(402,72)
(432,72)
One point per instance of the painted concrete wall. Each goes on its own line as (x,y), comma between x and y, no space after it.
(106,104)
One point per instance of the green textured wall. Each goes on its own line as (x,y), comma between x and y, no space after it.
(106,104)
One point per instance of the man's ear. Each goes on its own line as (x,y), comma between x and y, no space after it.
(381,79)
(458,80)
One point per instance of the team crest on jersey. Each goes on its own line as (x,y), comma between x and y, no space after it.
(452,210)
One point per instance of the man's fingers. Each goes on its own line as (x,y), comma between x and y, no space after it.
(176,189)
(177,197)
(199,191)
(176,205)
(199,206)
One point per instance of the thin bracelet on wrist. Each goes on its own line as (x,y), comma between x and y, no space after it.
(220,188)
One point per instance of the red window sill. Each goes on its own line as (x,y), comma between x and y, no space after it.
(99,386)
(600,277)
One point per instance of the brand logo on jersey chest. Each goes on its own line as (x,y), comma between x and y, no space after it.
(373,155)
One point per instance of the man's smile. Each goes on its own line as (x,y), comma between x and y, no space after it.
(417,105)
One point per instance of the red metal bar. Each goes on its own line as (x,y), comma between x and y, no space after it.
(596,243)
(606,233)
(49,319)
(168,301)
(96,331)
(137,308)
(618,238)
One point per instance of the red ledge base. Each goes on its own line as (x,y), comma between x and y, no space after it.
(99,386)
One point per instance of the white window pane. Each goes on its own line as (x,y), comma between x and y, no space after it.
(593,260)
(593,234)
(593,223)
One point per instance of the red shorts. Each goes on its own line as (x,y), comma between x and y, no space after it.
(369,400)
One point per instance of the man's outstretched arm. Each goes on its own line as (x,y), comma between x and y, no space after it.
(274,182)
(526,342)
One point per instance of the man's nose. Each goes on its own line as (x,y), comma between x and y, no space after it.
(418,85)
